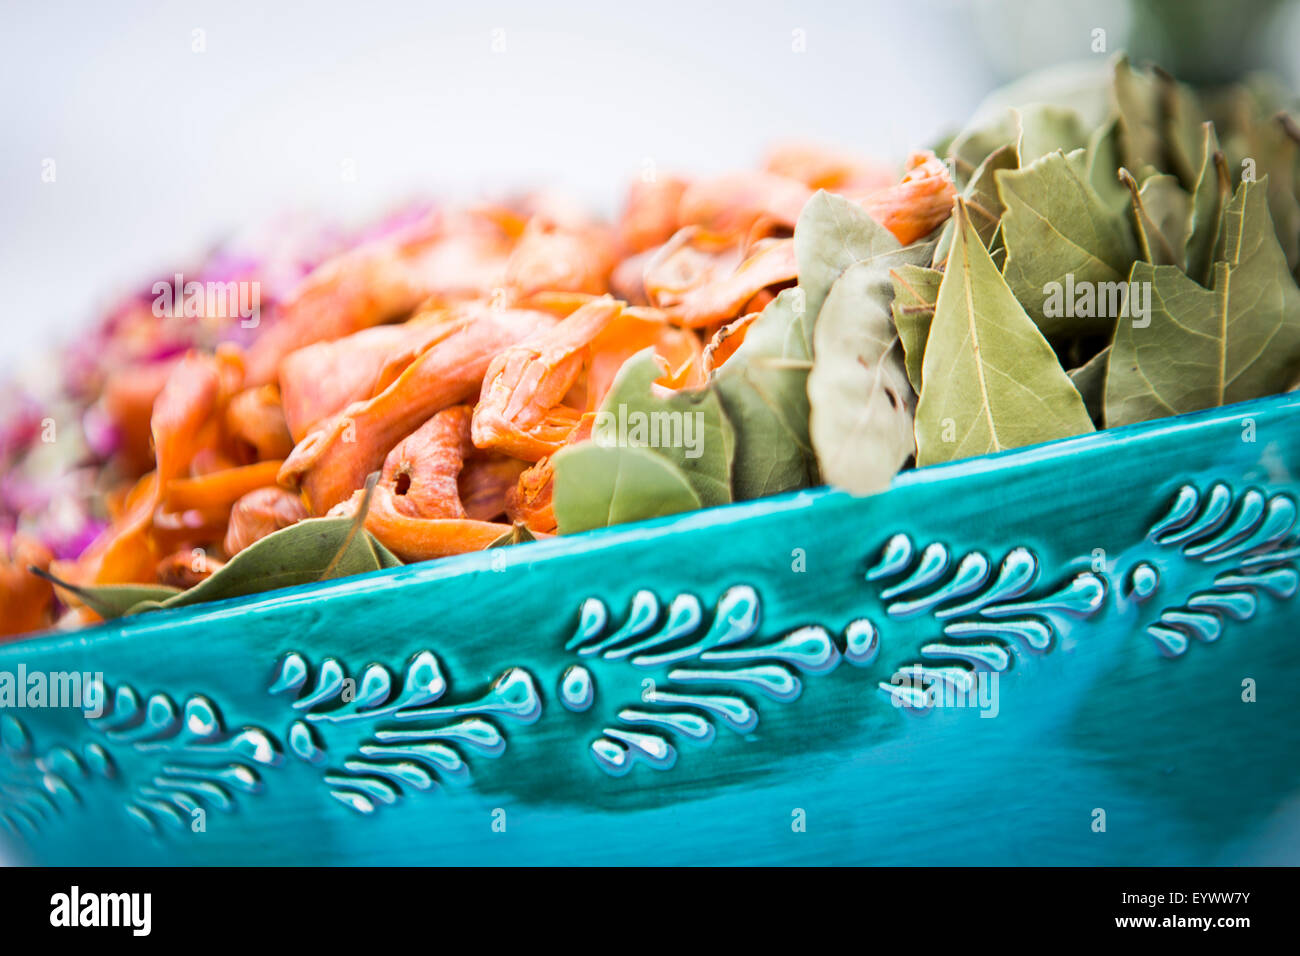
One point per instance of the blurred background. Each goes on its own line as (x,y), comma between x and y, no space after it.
(137,134)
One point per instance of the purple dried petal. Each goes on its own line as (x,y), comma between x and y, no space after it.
(19,429)
(166,350)
(20,493)
(70,544)
(103,436)
(394,223)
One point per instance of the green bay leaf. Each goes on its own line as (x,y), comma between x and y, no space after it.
(916,290)
(689,428)
(861,403)
(982,199)
(1160,210)
(1203,347)
(1001,384)
(1209,199)
(596,487)
(831,234)
(1056,225)
(763,388)
(311,550)
(111,600)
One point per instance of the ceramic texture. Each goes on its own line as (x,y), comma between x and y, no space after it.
(779,681)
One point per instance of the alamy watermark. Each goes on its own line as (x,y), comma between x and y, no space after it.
(133,911)
(633,428)
(1098,300)
(214,300)
(920,689)
(52,689)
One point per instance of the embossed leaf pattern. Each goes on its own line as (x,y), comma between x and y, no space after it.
(1003,386)
(1209,347)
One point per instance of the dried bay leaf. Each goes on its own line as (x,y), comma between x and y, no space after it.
(1260,139)
(302,553)
(1209,199)
(1182,117)
(764,385)
(110,600)
(608,486)
(1045,128)
(314,549)
(1001,384)
(1100,164)
(1208,347)
(977,142)
(1136,98)
(982,199)
(689,428)
(1056,225)
(518,534)
(860,401)
(763,388)
(1280,154)
(916,290)
(831,234)
(1160,210)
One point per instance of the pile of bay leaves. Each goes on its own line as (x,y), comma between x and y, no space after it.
(1125,252)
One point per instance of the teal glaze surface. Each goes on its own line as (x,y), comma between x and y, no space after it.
(760,683)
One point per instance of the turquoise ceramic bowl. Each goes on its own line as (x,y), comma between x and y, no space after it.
(1079,653)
